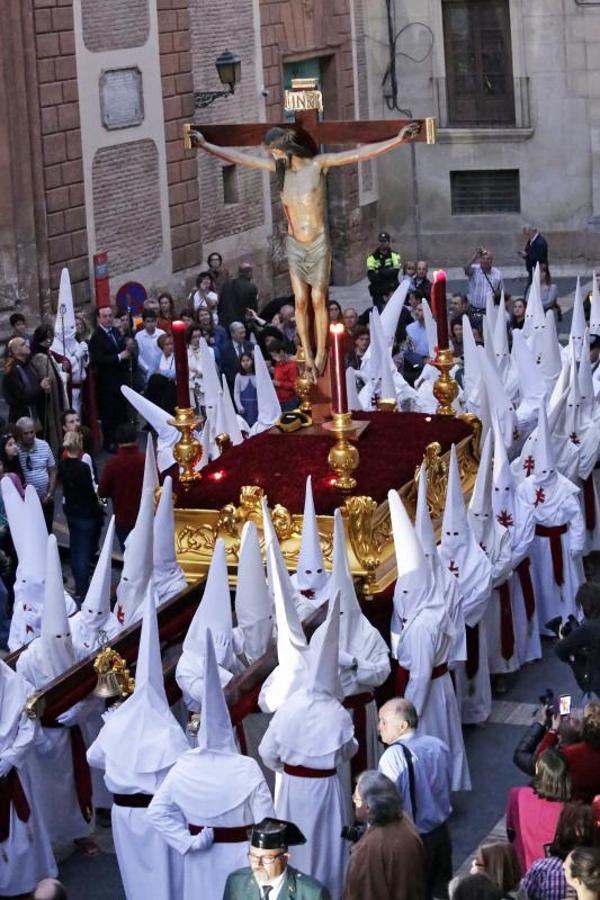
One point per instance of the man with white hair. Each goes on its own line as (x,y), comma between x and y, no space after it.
(38,466)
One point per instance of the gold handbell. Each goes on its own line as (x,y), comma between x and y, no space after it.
(108,686)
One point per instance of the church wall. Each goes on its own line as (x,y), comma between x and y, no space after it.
(555,144)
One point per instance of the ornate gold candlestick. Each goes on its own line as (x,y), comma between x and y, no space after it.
(343,457)
(445,389)
(303,384)
(187,451)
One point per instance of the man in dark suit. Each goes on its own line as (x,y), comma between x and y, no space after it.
(232,350)
(269,875)
(111,355)
(536,250)
(238,295)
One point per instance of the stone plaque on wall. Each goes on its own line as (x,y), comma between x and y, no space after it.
(121,98)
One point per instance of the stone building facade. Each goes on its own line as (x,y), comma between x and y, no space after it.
(93,97)
(515,86)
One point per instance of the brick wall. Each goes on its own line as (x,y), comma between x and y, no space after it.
(126,193)
(114,24)
(236,33)
(61,144)
(176,78)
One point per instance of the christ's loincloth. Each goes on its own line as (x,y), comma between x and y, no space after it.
(310,262)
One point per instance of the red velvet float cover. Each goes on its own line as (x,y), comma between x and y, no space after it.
(390,448)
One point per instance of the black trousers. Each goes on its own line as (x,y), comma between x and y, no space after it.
(438,861)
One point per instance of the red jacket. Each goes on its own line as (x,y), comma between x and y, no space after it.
(122,481)
(285,374)
(584,765)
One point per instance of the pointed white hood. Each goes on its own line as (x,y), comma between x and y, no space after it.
(551,362)
(480,512)
(323,676)
(137,563)
(586,383)
(29,533)
(56,642)
(214,610)
(158,419)
(254,606)
(95,610)
(531,381)
(500,341)
(390,314)
(595,307)
(269,407)
(216,732)
(168,574)
(457,538)
(354,404)
(342,582)
(414,590)
(143,733)
(430,328)
(472,373)
(310,575)
(231,419)
(210,377)
(150,482)
(534,314)
(544,471)
(14,693)
(64,323)
(292,647)
(503,483)
(498,400)
(578,326)
(270,538)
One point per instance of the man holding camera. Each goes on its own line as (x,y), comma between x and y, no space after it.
(579,646)
(583,756)
(484,279)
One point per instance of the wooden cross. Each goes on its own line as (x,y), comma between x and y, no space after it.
(305,101)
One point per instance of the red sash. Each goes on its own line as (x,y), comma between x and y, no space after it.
(589,503)
(12,795)
(358,703)
(81,769)
(507,631)
(304,772)
(524,573)
(554,532)
(236,835)
(403,677)
(472,664)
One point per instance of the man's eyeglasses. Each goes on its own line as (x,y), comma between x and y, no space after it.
(264,860)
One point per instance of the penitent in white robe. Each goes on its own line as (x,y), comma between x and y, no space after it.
(50,764)
(372,669)
(423,644)
(26,856)
(558,504)
(312,730)
(148,866)
(215,789)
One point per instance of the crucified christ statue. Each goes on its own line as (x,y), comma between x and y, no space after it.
(301,175)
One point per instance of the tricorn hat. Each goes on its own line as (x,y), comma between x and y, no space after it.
(275,834)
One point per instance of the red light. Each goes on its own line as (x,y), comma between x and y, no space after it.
(331,481)
(337,328)
(217,476)
(439,275)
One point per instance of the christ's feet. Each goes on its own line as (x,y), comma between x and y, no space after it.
(320,361)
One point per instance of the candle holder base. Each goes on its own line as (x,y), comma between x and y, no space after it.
(343,457)
(188,450)
(385,404)
(445,389)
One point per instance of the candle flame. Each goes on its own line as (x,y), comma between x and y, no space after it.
(217,476)
(178,325)
(439,275)
(337,328)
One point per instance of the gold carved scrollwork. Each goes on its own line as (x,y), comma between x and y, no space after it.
(437,480)
(363,535)
(475,423)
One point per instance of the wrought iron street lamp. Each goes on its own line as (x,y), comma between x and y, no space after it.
(229,67)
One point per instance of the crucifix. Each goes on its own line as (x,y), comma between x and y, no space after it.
(294,155)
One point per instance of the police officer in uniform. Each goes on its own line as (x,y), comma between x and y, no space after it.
(383,268)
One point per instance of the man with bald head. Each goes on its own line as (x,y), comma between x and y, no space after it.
(420,767)
(421,281)
(49,889)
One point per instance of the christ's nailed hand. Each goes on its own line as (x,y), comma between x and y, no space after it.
(411,130)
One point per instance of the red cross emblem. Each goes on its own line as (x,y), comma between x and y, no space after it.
(529,465)
(505,518)
(573,438)
(308,593)
(483,547)
(120,614)
(540,497)
(453,568)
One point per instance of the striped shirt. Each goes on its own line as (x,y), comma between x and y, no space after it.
(36,463)
(545,880)
(481,284)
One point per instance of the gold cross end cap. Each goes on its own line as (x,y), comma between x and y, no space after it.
(430,130)
(187,136)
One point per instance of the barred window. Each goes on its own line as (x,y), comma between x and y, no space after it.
(485,191)
(478,63)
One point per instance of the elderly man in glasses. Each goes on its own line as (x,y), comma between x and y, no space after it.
(38,466)
(269,877)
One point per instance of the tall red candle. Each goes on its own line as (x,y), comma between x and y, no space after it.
(182,375)
(438,303)
(339,396)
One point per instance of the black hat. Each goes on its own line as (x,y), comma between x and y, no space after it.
(384,236)
(275,834)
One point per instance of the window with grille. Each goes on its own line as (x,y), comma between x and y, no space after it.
(478,63)
(483,191)
(230,185)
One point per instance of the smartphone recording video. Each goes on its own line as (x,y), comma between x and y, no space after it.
(564,705)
